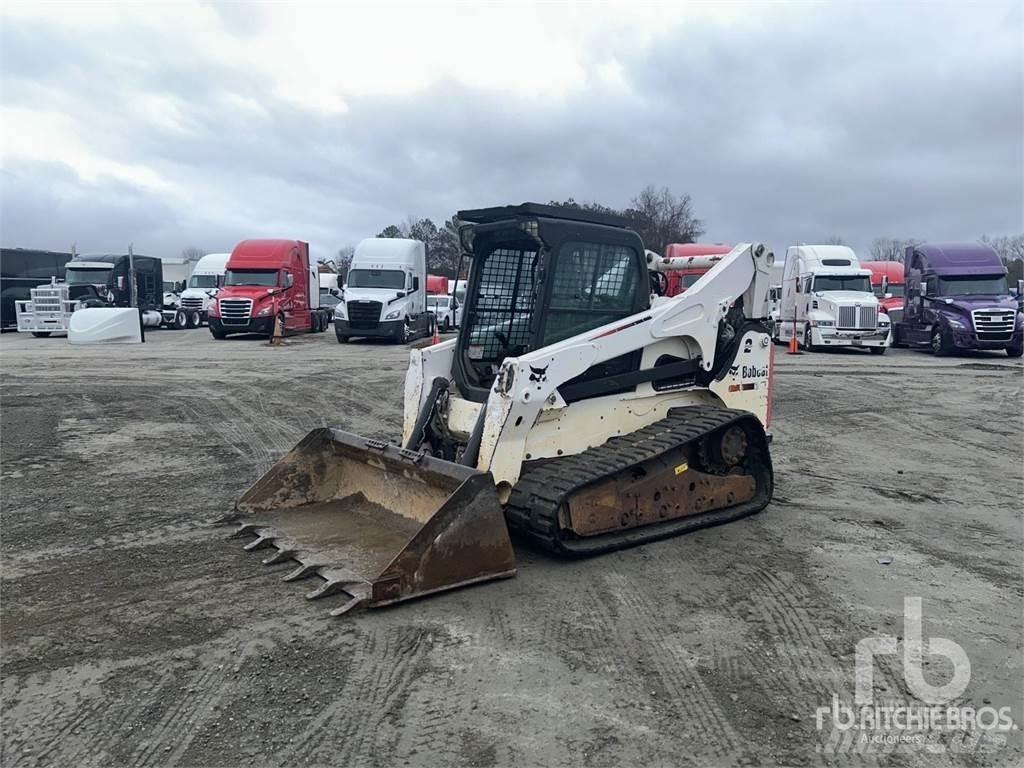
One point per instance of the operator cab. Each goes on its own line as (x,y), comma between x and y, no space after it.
(542,274)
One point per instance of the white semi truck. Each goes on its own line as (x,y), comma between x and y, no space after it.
(827,301)
(386,292)
(206,278)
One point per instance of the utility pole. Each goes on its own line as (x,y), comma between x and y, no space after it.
(133,288)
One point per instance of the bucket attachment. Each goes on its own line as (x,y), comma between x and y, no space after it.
(376,522)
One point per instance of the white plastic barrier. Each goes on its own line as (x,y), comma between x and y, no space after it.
(105,325)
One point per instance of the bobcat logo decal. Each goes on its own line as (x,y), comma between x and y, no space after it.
(539,374)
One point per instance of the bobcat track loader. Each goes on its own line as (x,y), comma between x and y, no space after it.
(574,409)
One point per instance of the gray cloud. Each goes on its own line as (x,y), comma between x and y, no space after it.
(855,121)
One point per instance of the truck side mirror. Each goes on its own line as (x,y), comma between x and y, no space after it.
(415,284)
(288,280)
(923,290)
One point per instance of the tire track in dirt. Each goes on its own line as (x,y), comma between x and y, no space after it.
(350,729)
(25,563)
(684,687)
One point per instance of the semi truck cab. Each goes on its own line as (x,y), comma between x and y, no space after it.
(206,279)
(827,301)
(888,285)
(958,298)
(265,280)
(385,295)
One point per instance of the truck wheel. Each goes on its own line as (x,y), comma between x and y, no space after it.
(877,350)
(446,327)
(403,335)
(180,320)
(218,335)
(194,319)
(41,334)
(274,325)
(807,340)
(896,340)
(941,344)
(1015,351)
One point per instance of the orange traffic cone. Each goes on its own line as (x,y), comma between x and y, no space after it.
(794,349)
(277,339)
(437,336)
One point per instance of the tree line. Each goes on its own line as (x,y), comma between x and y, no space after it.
(659,216)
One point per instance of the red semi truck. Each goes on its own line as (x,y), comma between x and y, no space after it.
(266,280)
(437,284)
(887,285)
(682,277)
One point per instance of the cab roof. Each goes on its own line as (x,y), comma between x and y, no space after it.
(263,253)
(958,258)
(879,269)
(538,210)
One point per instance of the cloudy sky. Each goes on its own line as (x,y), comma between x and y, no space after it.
(200,124)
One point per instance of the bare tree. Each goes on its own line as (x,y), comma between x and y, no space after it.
(343,259)
(891,249)
(1009,247)
(192,253)
(834,240)
(657,215)
(660,218)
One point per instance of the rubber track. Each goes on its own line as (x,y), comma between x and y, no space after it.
(532,509)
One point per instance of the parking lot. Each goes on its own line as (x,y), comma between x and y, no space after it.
(134,633)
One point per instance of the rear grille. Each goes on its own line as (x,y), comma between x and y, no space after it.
(364,314)
(191,303)
(235,311)
(993,324)
(858,318)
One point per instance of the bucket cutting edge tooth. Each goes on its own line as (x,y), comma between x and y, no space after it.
(262,541)
(305,570)
(330,587)
(246,529)
(281,556)
(355,602)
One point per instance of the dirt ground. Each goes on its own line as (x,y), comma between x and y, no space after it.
(133,633)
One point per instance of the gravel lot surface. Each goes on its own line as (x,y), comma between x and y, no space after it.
(133,633)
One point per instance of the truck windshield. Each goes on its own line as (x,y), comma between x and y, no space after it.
(896,289)
(251,277)
(966,286)
(376,278)
(202,281)
(861,284)
(88,276)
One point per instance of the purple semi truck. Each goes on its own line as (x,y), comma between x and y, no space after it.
(957,298)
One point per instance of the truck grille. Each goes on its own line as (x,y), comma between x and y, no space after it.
(858,318)
(993,324)
(364,314)
(235,311)
(191,303)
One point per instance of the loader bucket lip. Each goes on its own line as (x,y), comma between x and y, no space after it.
(375,521)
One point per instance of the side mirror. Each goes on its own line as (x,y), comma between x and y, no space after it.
(288,280)
(415,284)
(923,291)
(401,295)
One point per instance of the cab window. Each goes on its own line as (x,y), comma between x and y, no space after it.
(592,284)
